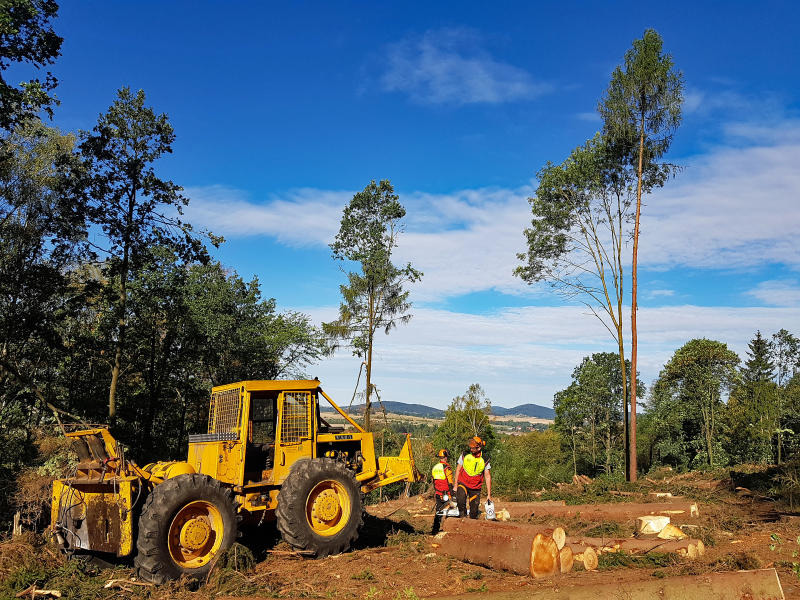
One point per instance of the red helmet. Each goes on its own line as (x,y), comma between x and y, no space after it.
(443,453)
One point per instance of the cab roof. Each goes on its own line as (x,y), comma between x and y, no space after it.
(260,385)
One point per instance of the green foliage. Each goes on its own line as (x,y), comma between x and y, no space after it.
(758,368)
(466,416)
(606,529)
(524,463)
(113,177)
(365,575)
(642,106)
(374,298)
(651,560)
(27,38)
(581,217)
(589,413)
(687,407)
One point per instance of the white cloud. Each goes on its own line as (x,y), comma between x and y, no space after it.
(527,354)
(301,217)
(447,66)
(661,293)
(590,117)
(735,207)
(779,292)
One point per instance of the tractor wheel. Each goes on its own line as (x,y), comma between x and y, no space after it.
(319,507)
(186,523)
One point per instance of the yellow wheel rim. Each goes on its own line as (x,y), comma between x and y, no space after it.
(328,508)
(195,534)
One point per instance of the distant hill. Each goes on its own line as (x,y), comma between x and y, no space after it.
(397,408)
(525,410)
(420,410)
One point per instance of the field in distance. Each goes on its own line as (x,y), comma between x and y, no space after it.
(519,419)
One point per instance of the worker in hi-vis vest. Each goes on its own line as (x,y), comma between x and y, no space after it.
(473,468)
(442,487)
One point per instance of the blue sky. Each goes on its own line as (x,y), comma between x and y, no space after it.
(283,111)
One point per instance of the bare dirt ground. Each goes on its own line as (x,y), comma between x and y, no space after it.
(395,558)
(400,563)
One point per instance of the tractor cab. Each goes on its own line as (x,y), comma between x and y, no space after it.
(258,429)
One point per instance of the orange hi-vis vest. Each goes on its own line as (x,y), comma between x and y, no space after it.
(442,477)
(472,468)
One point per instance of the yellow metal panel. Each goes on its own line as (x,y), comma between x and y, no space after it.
(125,501)
(368,450)
(257,385)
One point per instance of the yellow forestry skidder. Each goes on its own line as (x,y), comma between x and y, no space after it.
(268,455)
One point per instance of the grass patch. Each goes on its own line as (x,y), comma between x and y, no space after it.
(474,575)
(405,538)
(365,575)
(482,588)
(651,560)
(737,561)
(606,529)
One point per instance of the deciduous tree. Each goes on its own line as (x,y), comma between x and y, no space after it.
(690,391)
(466,416)
(582,216)
(134,208)
(785,355)
(641,110)
(374,298)
(27,38)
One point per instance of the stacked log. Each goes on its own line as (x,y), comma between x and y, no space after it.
(621,511)
(519,548)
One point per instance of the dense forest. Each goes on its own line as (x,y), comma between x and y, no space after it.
(112,310)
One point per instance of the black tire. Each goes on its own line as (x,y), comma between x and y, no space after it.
(295,501)
(154,560)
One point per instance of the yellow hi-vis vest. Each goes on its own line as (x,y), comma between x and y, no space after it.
(472,471)
(442,477)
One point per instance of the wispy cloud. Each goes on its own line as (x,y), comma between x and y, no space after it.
(589,117)
(735,207)
(532,349)
(661,293)
(301,217)
(778,292)
(448,66)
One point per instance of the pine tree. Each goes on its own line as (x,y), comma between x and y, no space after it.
(758,367)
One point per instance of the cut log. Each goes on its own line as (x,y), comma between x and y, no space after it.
(525,510)
(689,548)
(544,556)
(565,559)
(586,555)
(651,524)
(515,547)
(762,584)
(621,511)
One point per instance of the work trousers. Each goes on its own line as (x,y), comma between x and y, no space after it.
(438,508)
(465,495)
